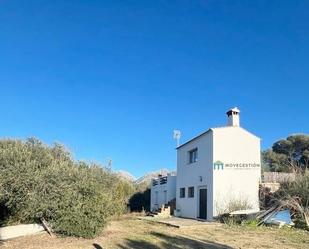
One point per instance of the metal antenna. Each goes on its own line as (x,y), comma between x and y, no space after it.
(176,136)
(109,163)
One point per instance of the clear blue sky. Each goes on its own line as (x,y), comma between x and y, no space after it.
(112,79)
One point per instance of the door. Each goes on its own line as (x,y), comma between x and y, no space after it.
(156,199)
(203,204)
(165,197)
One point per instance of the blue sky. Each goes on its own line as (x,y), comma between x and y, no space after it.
(112,79)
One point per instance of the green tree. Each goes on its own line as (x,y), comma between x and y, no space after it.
(140,201)
(291,154)
(39,181)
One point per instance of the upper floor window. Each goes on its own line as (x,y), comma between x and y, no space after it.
(182,193)
(193,156)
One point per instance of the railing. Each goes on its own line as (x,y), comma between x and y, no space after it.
(163,180)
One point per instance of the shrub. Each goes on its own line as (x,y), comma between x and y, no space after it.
(298,188)
(232,204)
(140,201)
(238,204)
(38,181)
(296,194)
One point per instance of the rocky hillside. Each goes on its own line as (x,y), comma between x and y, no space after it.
(145,179)
(126,175)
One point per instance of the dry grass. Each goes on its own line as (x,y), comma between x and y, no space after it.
(129,232)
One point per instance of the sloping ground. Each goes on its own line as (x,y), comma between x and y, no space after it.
(133,233)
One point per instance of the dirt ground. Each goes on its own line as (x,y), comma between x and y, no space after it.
(130,232)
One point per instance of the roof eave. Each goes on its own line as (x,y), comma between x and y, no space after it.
(196,137)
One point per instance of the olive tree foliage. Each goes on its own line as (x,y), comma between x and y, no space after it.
(286,155)
(39,181)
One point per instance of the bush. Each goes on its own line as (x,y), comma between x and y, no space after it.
(232,204)
(238,204)
(38,181)
(297,193)
(140,201)
(298,188)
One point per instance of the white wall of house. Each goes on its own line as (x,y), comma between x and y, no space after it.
(197,175)
(239,180)
(162,193)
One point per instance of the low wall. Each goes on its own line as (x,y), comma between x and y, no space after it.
(277,177)
(11,232)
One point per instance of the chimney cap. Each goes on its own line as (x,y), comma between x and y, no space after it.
(235,109)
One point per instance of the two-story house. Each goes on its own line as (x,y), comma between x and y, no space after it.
(218,170)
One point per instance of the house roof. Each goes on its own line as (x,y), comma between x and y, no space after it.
(211,129)
(200,135)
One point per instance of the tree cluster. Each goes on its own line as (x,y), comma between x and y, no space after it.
(286,155)
(291,155)
(140,201)
(44,182)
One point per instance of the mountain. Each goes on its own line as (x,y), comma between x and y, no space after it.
(147,177)
(126,175)
(145,180)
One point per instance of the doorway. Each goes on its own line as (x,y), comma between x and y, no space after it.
(203,203)
(156,199)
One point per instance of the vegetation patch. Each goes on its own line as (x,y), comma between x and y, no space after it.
(44,182)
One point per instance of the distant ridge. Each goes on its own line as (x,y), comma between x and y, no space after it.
(125,175)
(145,179)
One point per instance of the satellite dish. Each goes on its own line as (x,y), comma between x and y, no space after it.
(176,136)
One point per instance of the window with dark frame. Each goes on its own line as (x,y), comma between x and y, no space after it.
(193,156)
(182,192)
(190,192)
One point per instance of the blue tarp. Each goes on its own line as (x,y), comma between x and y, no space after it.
(280,217)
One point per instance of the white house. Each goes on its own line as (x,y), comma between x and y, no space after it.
(163,190)
(216,169)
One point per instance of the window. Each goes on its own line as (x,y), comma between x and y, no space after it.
(190,192)
(193,156)
(182,192)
